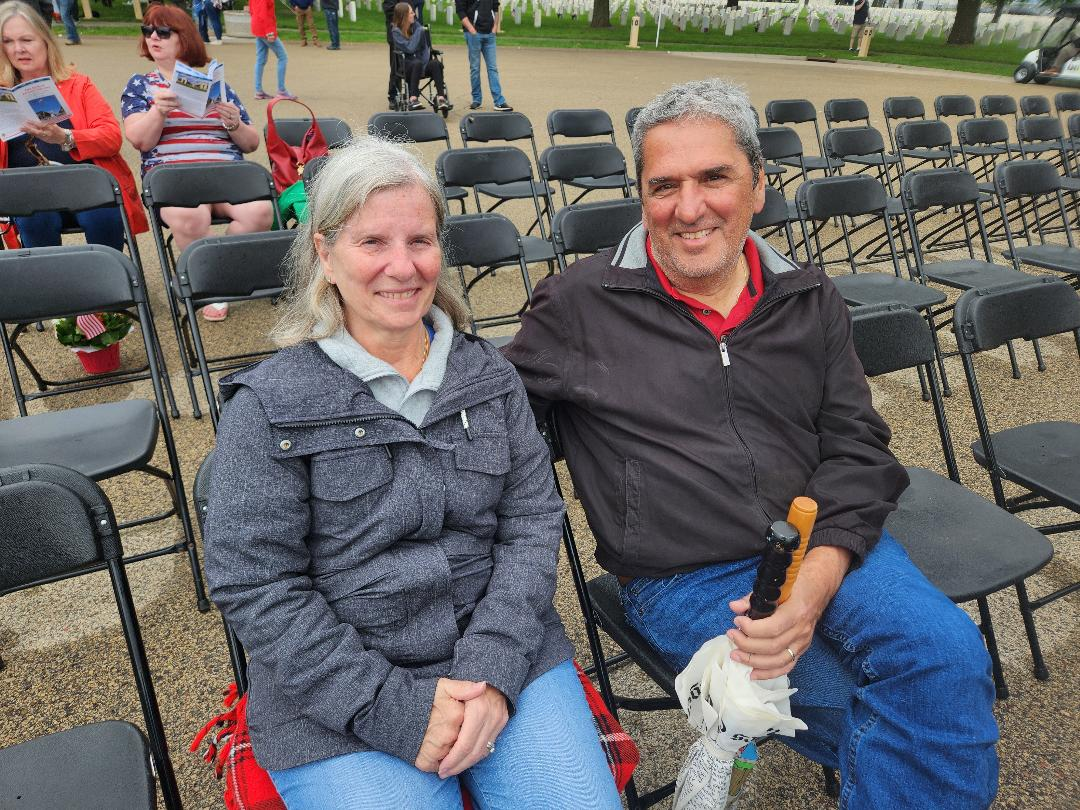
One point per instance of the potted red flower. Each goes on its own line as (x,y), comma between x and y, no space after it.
(95,339)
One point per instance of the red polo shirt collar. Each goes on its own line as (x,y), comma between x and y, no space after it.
(713,320)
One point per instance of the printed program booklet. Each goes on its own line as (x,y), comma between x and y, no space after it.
(36,100)
(196,91)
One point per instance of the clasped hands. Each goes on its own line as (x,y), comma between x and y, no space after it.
(465,717)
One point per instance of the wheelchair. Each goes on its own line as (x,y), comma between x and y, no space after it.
(426,92)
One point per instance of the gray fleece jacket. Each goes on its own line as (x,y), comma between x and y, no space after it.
(360,557)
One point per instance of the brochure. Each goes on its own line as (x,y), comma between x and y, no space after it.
(196,91)
(36,100)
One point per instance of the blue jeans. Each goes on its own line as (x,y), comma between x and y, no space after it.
(209,12)
(262,45)
(547,756)
(895,687)
(102,226)
(332,23)
(483,44)
(67,17)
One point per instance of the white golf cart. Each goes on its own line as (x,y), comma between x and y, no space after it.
(1063,29)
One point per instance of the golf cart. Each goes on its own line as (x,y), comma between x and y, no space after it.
(1063,29)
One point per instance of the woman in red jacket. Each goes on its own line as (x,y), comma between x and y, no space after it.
(92,135)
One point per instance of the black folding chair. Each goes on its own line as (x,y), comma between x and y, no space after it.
(418,127)
(954,106)
(907,108)
(588,228)
(292,130)
(1042,458)
(999,106)
(244,267)
(105,440)
(68,189)
(846,111)
(1034,105)
(189,185)
(793,112)
(928,141)
(58,524)
(577,165)
(585,123)
(781,147)
(775,216)
(630,119)
(966,546)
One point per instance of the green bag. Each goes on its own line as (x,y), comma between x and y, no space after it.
(292,203)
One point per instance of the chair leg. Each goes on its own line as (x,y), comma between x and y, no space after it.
(1026,611)
(1012,359)
(1038,354)
(832,783)
(986,625)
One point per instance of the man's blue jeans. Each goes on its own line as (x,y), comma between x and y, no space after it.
(331,16)
(483,44)
(67,17)
(262,45)
(209,13)
(895,688)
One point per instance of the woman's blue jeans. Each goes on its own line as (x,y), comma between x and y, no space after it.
(262,45)
(483,44)
(209,13)
(67,17)
(101,226)
(895,688)
(548,756)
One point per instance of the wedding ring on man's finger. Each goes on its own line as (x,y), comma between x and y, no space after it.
(794,657)
(491,747)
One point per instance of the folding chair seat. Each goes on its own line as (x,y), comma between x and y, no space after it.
(967,546)
(588,228)
(68,189)
(189,185)
(485,242)
(57,524)
(569,164)
(105,440)
(243,267)
(794,111)
(292,130)
(1041,457)
(908,108)
(590,123)
(631,118)
(778,214)
(418,127)
(503,172)
(780,147)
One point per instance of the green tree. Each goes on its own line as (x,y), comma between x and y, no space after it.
(963,27)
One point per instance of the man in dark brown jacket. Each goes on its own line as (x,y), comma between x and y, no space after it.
(702,382)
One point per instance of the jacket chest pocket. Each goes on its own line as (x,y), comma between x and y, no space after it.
(349,489)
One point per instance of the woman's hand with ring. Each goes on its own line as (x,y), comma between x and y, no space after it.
(485,717)
(48,133)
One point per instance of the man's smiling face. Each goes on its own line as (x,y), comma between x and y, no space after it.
(698,197)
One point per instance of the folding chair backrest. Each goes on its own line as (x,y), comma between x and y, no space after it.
(78,187)
(934,188)
(1034,105)
(592,227)
(923,135)
(890,337)
(631,118)
(579,124)
(779,142)
(489,164)
(846,110)
(997,105)
(480,240)
(54,522)
(190,185)
(903,107)
(852,141)
(954,106)
(988,317)
(567,161)
(292,130)
(790,111)
(1067,102)
(418,127)
(1074,125)
(1036,129)
(38,284)
(311,171)
(982,132)
(239,266)
(774,212)
(495,126)
(854,195)
(1026,178)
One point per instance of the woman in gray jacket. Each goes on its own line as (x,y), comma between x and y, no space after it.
(383,530)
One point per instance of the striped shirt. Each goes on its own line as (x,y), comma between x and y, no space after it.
(185,138)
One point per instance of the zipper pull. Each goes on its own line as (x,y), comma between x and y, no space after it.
(465,424)
(723,351)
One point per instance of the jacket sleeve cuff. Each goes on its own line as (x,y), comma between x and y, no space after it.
(483,658)
(398,720)
(842,538)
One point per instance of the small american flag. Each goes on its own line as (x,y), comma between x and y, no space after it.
(90,325)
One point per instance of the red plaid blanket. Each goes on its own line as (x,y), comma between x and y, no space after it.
(248,786)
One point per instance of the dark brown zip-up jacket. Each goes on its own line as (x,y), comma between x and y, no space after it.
(683,449)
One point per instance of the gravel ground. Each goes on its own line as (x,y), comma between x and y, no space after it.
(65,661)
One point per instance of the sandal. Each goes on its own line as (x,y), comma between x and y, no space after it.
(215,312)
(261,96)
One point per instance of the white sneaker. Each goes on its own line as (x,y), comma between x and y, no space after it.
(214,42)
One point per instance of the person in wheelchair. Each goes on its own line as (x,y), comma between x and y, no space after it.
(413,41)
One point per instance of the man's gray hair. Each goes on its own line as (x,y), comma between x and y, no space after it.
(313,308)
(704,100)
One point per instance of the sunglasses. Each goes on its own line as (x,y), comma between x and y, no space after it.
(163,31)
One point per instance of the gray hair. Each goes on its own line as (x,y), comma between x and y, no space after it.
(707,99)
(313,308)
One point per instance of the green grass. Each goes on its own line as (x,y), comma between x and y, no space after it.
(566,32)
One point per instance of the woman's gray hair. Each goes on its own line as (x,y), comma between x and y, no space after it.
(313,308)
(704,100)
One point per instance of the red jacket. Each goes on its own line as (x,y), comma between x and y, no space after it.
(97,139)
(263,17)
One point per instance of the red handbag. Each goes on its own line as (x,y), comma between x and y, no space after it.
(248,786)
(287,162)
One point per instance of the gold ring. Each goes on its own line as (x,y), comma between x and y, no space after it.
(794,657)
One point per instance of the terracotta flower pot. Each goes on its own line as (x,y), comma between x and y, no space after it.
(99,361)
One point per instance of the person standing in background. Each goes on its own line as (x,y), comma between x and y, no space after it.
(392,87)
(480,22)
(418,9)
(862,15)
(67,17)
(207,11)
(330,12)
(305,15)
(264,27)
